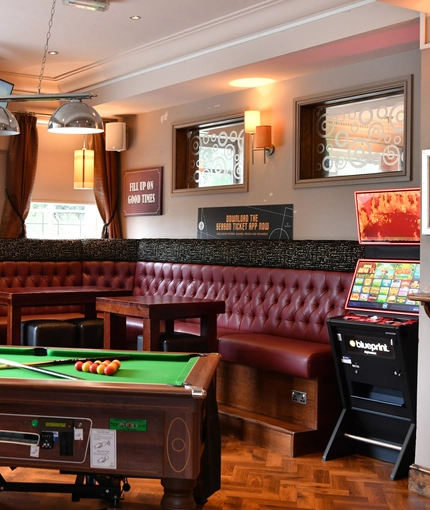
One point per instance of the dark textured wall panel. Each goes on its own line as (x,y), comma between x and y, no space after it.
(110,249)
(39,249)
(325,255)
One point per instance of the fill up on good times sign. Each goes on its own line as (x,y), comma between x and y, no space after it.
(246,222)
(142,192)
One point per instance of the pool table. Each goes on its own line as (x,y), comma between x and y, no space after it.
(155,417)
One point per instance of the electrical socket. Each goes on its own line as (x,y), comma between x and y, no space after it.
(298,396)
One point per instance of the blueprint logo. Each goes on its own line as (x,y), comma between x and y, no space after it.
(370,348)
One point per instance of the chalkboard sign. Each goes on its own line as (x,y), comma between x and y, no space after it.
(246,222)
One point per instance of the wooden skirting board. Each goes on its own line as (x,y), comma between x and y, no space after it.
(256,406)
(419,480)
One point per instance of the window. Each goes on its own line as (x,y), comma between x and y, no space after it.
(63,221)
(355,135)
(209,157)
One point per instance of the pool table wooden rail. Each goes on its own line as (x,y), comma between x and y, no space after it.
(196,382)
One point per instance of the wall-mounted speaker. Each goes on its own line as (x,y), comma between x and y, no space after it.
(116,136)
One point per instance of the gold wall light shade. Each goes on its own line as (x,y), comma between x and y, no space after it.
(75,117)
(8,123)
(116,136)
(261,136)
(251,120)
(84,169)
(263,141)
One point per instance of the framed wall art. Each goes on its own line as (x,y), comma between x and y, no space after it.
(142,192)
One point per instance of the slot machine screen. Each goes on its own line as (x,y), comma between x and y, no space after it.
(383,286)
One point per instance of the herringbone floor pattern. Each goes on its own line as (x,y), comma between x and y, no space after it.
(252,479)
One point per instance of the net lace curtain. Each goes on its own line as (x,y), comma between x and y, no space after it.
(106,188)
(20,177)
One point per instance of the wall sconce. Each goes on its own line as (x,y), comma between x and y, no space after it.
(84,168)
(263,141)
(261,136)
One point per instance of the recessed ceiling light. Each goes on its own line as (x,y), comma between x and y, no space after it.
(135,17)
(53,52)
(251,82)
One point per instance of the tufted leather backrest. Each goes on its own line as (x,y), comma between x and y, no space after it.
(108,273)
(41,274)
(281,302)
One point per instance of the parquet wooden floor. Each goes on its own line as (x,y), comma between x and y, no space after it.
(253,478)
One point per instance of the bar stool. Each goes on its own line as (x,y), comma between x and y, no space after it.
(89,332)
(48,333)
(178,342)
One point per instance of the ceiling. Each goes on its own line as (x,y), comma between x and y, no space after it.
(185,50)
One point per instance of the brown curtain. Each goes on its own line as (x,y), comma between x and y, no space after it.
(21,173)
(106,188)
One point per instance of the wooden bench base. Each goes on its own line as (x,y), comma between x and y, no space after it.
(256,406)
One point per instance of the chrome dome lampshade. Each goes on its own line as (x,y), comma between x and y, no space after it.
(75,117)
(8,123)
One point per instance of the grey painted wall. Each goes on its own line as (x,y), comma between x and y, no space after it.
(320,213)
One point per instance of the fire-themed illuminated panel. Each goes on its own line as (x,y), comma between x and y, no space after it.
(388,216)
(384,286)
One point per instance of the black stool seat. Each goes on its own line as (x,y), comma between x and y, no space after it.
(48,333)
(89,332)
(178,342)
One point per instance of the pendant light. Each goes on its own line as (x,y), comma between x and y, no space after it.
(74,117)
(84,168)
(91,5)
(8,123)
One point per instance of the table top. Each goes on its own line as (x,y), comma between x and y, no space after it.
(149,371)
(52,295)
(420,296)
(159,306)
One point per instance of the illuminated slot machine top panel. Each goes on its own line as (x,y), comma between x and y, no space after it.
(388,216)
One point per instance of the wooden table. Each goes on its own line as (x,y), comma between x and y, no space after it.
(154,310)
(18,297)
(423,298)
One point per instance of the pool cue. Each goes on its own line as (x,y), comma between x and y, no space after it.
(65,361)
(36,369)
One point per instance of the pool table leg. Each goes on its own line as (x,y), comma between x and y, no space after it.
(178,494)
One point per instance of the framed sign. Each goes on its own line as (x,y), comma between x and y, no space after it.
(246,222)
(142,192)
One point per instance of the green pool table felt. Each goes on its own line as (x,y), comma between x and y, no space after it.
(142,367)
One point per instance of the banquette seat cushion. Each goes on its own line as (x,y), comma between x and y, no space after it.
(285,355)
